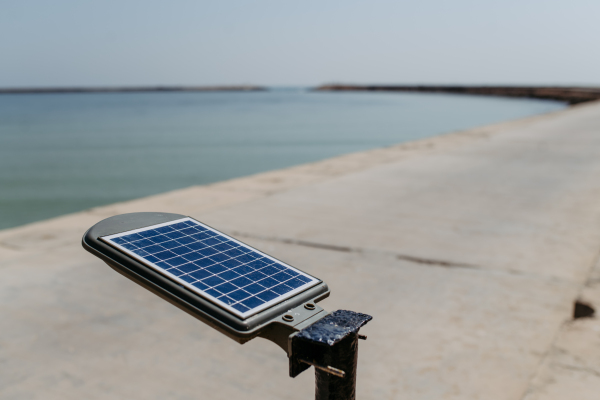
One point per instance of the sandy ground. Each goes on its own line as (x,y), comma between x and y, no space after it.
(469,250)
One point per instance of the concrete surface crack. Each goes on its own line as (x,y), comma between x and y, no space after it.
(580,369)
(9,246)
(440,263)
(298,242)
(347,249)
(552,345)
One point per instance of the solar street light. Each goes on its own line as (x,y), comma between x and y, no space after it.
(236,289)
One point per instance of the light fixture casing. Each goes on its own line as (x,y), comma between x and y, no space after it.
(267,323)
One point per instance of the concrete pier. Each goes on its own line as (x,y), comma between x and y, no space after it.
(469,250)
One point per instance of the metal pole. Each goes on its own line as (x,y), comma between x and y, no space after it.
(344,356)
(331,346)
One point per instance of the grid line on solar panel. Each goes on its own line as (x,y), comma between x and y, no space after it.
(237,276)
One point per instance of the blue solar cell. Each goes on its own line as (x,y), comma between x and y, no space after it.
(219,257)
(281,276)
(200,285)
(201,236)
(176,272)
(228,272)
(226,288)
(133,237)
(181,250)
(200,274)
(243,269)
(268,282)
(245,258)
(185,240)
(188,231)
(148,233)
(269,270)
(192,256)
(216,268)
(267,296)
(211,241)
(233,253)
(163,255)
(153,249)
(164,229)
(129,246)
(213,281)
(152,259)
(256,276)
(119,240)
(170,244)
(159,239)
(208,251)
(241,281)
(204,262)
(188,278)
(199,264)
(279,267)
(231,263)
(213,293)
(174,235)
(292,273)
(226,300)
(256,264)
(143,243)
(252,302)
(229,275)
(281,289)
(197,246)
(294,283)
(240,307)
(254,288)
(162,264)
(222,247)
(187,268)
(176,261)
(239,295)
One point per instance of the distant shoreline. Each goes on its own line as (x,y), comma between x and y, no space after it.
(571,95)
(125,89)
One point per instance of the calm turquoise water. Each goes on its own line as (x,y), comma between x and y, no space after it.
(61,153)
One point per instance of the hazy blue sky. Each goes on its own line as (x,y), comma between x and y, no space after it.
(278,42)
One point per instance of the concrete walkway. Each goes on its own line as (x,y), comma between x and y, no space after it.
(468,249)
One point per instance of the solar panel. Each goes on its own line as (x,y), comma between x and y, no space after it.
(229,273)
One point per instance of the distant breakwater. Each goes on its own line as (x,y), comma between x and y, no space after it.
(241,88)
(570,95)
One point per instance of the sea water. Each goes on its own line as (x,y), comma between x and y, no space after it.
(61,153)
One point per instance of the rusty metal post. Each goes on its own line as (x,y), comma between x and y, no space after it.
(330,345)
(331,387)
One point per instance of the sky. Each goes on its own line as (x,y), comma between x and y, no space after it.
(302,43)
